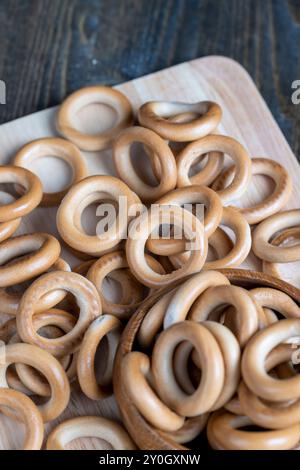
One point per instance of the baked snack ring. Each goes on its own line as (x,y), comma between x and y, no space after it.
(220,143)
(97,330)
(91,95)
(106,265)
(276,300)
(270,415)
(44,249)
(238,297)
(223,433)
(59,148)
(28,201)
(262,235)
(212,378)
(51,324)
(135,376)
(74,235)
(10,301)
(127,172)
(187,197)
(29,414)
(283,238)
(144,225)
(253,362)
(47,365)
(155,115)
(231,354)
(88,301)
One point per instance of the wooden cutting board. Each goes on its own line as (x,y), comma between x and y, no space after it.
(245,117)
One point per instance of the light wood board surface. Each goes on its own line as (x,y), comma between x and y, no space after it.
(245,117)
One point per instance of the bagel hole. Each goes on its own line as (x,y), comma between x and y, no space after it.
(198,165)
(211,254)
(88,443)
(100,363)
(8,193)
(15,259)
(94,118)
(167,231)
(50,331)
(139,154)
(177,147)
(38,376)
(259,188)
(112,290)
(54,172)
(93,223)
(194,373)
(15,431)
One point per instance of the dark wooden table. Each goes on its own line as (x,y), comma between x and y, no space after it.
(48,48)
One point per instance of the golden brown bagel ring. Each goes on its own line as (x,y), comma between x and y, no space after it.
(219,143)
(262,235)
(132,290)
(105,266)
(143,226)
(45,248)
(218,296)
(155,115)
(187,197)
(283,238)
(87,299)
(97,330)
(47,365)
(269,414)
(253,362)
(64,322)
(127,172)
(89,95)
(30,416)
(231,355)
(27,202)
(276,300)
(58,148)
(73,235)
(10,301)
(135,376)
(272,203)
(212,368)
(90,426)
(222,433)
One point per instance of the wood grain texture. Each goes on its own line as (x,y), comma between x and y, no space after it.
(245,117)
(48,48)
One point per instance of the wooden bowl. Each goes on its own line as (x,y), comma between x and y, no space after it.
(145,435)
